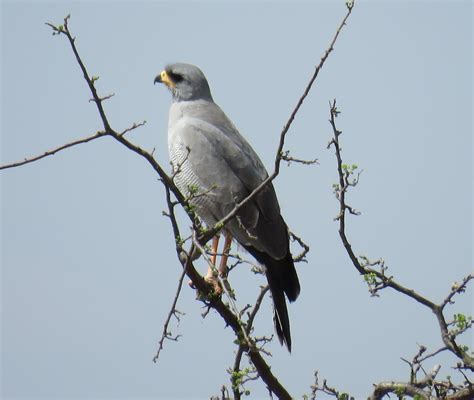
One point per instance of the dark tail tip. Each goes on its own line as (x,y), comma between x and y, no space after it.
(282,279)
(281,319)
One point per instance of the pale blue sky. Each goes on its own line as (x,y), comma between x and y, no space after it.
(88,263)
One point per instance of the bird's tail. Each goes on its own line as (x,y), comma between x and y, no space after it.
(282,279)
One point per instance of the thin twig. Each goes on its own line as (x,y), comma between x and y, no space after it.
(48,153)
(134,126)
(166,334)
(302,256)
(286,157)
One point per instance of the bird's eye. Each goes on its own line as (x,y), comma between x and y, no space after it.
(176,78)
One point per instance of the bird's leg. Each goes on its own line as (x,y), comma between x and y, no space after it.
(215,245)
(211,275)
(225,256)
(223,265)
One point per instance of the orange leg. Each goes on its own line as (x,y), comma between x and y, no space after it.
(225,255)
(215,244)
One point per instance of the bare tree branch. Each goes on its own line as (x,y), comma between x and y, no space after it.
(378,280)
(172,313)
(302,256)
(236,373)
(48,153)
(90,80)
(134,126)
(285,156)
(350,6)
(400,389)
(422,389)
(386,281)
(326,389)
(233,321)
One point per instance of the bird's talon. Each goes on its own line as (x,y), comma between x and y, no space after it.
(214,282)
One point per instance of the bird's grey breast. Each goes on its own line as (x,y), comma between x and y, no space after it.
(210,156)
(199,171)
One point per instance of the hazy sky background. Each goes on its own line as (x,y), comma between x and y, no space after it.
(88,262)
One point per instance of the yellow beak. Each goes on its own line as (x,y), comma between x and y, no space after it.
(163,77)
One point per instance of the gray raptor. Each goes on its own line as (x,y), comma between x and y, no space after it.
(215,168)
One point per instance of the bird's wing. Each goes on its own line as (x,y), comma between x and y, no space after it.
(222,159)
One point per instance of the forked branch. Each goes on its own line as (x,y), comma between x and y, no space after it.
(377,279)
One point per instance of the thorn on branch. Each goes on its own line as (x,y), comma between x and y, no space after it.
(101,99)
(285,156)
(135,126)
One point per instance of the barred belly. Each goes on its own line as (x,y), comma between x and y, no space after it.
(188,182)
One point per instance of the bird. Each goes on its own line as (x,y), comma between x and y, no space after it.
(215,168)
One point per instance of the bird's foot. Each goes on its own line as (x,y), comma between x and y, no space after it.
(214,282)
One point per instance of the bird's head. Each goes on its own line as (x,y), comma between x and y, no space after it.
(185,81)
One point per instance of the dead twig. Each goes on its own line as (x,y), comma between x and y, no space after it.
(166,335)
